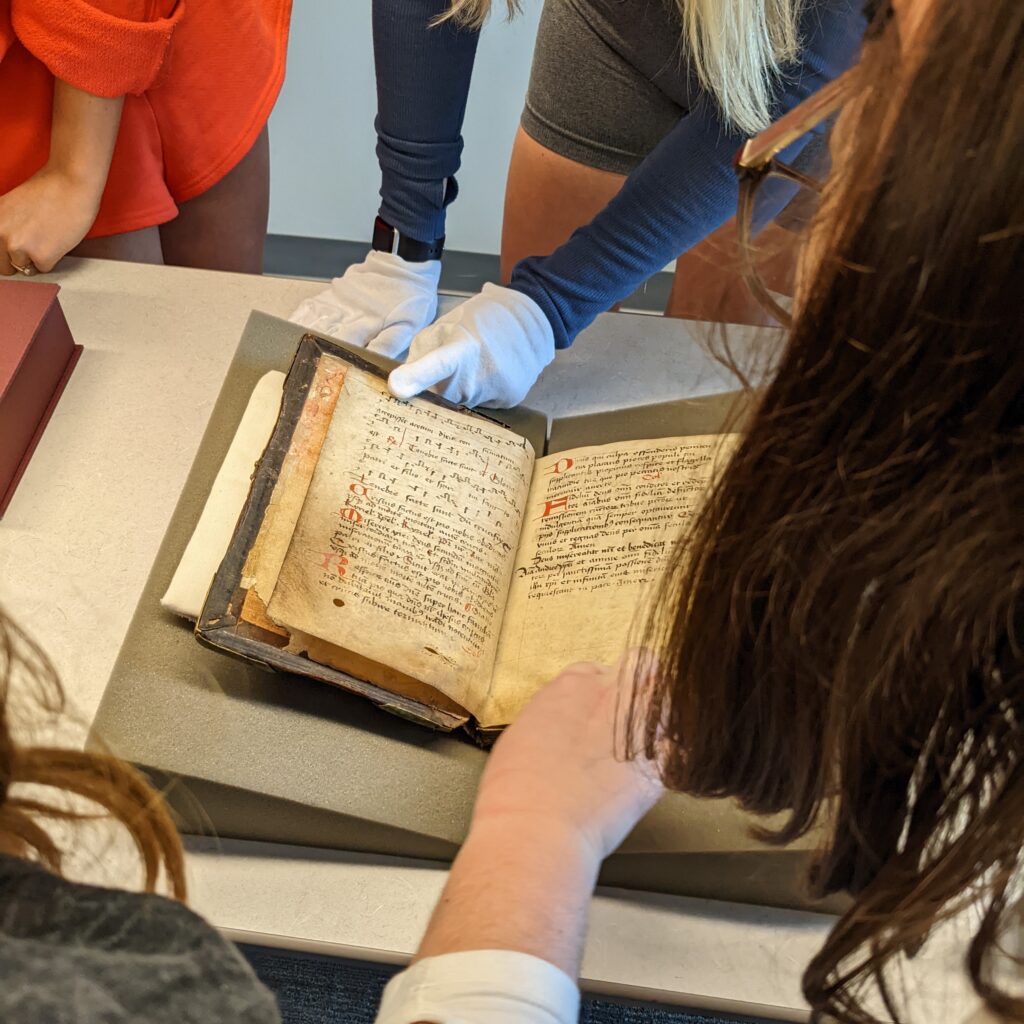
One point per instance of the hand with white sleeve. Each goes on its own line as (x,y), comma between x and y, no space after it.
(505,941)
(487,351)
(556,797)
(380,304)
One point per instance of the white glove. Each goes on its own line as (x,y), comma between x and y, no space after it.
(487,351)
(379,304)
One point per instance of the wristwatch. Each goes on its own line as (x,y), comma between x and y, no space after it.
(410,249)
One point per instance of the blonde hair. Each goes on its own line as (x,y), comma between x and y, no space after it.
(735,46)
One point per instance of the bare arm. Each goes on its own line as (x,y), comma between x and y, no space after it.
(83,133)
(554,801)
(522,885)
(506,938)
(50,213)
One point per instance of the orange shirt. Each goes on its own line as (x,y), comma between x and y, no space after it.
(199,77)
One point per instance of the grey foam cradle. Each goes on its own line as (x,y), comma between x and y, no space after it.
(258,755)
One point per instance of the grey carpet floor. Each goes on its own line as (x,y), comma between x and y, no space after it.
(328,990)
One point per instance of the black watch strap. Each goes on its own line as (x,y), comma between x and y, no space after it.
(410,249)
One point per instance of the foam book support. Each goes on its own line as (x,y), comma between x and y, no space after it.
(37,355)
(268,756)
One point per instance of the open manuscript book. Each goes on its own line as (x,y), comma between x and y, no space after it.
(429,558)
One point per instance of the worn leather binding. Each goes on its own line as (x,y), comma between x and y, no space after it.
(222,625)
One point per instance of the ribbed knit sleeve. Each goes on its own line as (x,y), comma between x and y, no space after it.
(105,47)
(684,190)
(423,76)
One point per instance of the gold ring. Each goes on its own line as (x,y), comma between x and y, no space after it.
(27,271)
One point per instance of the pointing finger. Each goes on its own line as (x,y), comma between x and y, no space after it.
(423,373)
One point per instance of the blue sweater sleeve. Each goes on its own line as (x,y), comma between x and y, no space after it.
(423,76)
(684,189)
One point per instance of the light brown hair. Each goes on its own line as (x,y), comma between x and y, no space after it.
(844,628)
(108,786)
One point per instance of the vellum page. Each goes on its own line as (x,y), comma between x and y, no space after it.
(404,548)
(600,524)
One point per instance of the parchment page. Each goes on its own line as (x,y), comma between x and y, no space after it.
(404,548)
(600,524)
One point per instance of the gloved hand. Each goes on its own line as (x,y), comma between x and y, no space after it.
(487,351)
(379,304)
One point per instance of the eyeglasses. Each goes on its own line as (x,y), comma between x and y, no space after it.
(757,164)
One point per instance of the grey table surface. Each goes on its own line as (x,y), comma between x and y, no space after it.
(81,534)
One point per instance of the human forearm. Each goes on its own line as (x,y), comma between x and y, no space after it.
(50,213)
(520,884)
(683,191)
(83,134)
(504,943)
(423,74)
(554,800)
(423,71)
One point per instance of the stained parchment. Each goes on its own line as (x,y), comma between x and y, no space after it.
(599,526)
(404,548)
(263,564)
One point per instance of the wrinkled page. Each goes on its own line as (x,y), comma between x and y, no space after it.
(404,548)
(599,527)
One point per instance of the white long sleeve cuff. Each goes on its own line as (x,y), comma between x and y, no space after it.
(487,986)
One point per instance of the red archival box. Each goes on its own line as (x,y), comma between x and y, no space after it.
(37,355)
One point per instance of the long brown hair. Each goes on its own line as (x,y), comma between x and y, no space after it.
(844,627)
(105,785)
